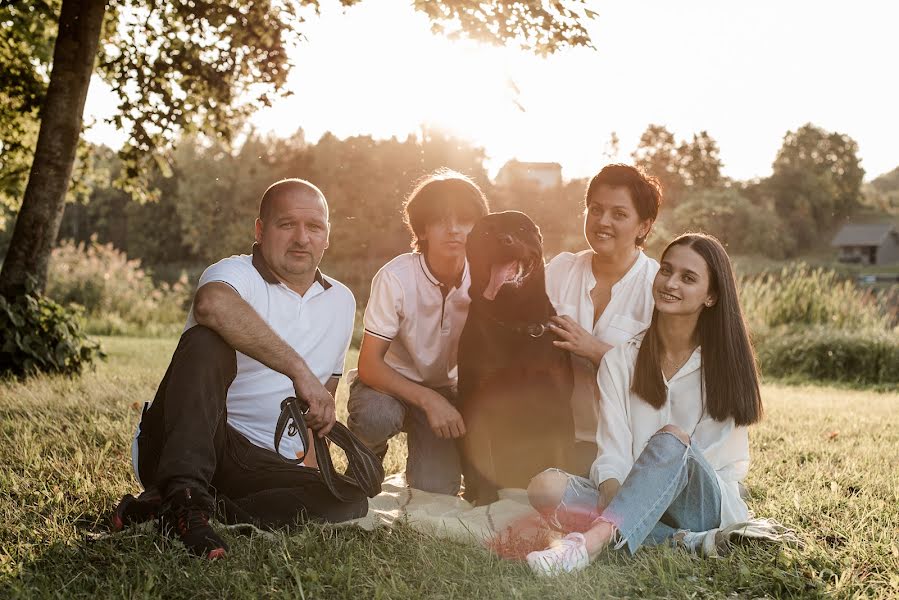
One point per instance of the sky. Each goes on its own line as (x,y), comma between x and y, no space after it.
(745,72)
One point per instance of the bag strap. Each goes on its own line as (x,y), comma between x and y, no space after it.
(365,473)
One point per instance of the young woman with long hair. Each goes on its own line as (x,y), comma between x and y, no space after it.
(673,441)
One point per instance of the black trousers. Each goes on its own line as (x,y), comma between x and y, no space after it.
(185,441)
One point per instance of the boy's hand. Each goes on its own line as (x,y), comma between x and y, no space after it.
(444,419)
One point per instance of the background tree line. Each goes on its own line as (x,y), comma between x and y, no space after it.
(208,196)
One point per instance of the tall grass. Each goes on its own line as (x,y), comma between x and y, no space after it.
(117,295)
(810,324)
(801,296)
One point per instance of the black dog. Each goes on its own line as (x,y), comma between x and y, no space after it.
(514,385)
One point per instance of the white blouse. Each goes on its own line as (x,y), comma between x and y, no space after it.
(627,422)
(569,281)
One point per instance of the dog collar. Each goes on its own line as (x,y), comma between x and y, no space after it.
(534,330)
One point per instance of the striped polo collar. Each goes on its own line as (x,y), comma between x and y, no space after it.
(423,263)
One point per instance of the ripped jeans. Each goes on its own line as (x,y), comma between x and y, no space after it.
(670,488)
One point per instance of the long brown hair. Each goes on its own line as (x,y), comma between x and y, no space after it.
(729,369)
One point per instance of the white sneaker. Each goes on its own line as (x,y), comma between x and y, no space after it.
(563,556)
(717,542)
(701,543)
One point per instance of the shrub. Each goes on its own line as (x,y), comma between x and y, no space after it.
(116,294)
(40,335)
(825,353)
(744,226)
(801,296)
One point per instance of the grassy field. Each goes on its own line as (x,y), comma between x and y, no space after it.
(824,462)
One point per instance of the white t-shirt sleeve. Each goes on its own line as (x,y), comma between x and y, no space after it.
(385,306)
(613,435)
(337,371)
(238,273)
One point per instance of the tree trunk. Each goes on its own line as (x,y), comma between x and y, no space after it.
(80,25)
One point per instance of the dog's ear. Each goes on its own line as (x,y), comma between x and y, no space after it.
(476,251)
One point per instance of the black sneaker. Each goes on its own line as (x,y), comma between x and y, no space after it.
(131,510)
(188,520)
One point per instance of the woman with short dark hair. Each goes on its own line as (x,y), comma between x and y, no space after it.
(602,295)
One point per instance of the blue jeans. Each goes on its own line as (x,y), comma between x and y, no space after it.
(432,463)
(670,488)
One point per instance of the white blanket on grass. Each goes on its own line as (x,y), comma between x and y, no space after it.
(451,516)
(510,526)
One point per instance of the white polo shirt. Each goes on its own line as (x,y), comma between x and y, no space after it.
(407,308)
(569,280)
(627,422)
(318,325)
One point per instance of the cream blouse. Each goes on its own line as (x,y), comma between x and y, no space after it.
(569,280)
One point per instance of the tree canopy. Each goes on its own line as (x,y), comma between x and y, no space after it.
(681,167)
(828,158)
(26,30)
(178,67)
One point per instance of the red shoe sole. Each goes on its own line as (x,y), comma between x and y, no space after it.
(216,554)
(118,520)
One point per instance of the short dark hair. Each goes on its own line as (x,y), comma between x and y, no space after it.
(729,369)
(443,192)
(645,190)
(282,188)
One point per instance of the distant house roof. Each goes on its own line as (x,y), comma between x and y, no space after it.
(547,174)
(863,235)
(551,166)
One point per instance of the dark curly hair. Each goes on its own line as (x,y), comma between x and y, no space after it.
(645,190)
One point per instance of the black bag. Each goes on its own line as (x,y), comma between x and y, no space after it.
(365,472)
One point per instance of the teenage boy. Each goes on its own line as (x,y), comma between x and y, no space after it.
(407,363)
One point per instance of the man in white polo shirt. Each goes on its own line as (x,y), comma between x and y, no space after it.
(407,363)
(263,327)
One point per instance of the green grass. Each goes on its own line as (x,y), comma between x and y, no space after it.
(824,461)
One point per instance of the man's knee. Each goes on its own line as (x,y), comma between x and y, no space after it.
(374,416)
(546,489)
(676,432)
(201,345)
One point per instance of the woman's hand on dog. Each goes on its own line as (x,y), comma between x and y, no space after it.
(444,419)
(577,340)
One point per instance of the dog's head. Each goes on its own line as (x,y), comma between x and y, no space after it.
(505,254)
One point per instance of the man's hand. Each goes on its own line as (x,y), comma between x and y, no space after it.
(577,340)
(444,419)
(321,415)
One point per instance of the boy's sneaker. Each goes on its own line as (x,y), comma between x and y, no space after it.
(188,520)
(131,510)
(563,556)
